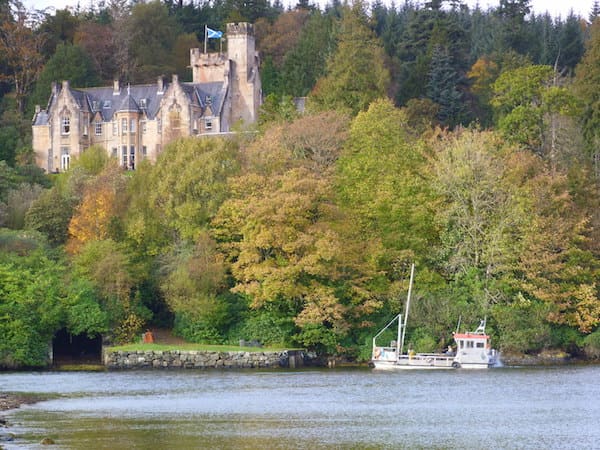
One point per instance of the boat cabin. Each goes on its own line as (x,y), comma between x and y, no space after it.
(474,348)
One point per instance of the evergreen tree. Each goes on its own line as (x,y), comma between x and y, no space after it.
(586,84)
(443,88)
(356,74)
(69,62)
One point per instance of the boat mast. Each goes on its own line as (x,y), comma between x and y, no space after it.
(412,274)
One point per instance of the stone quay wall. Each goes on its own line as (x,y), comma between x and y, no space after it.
(179,359)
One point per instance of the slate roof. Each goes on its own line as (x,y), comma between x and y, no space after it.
(140,98)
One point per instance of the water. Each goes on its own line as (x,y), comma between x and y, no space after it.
(507,408)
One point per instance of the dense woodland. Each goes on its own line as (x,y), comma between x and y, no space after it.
(466,141)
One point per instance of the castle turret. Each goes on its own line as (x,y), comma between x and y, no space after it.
(245,80)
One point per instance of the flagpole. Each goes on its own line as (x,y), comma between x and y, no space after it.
(205,38)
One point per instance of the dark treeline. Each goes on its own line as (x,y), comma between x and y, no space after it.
(460,139)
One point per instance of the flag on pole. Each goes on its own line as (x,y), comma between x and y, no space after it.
(209,33)
(213,34)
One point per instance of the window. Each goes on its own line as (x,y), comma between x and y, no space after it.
(65,158)
(144,152)
(115,128)
(94,105)
(124,156)
(158,125)
(85,129)
(132,126)
(114,152)
(132,157)
(98,128)
(142,102)
(107,104)
(479,344)
(208,124)
(65,125)
(143,126)
(123,125)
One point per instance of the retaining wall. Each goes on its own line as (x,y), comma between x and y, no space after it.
(178,359)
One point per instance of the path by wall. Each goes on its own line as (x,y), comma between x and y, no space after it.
(178,359)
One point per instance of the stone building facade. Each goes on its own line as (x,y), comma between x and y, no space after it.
(136,122)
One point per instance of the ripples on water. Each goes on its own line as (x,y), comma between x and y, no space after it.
(500,408)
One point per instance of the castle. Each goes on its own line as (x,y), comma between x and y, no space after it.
(135,122)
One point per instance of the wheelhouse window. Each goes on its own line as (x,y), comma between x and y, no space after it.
(65,127)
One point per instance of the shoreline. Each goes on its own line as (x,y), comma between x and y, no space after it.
(10,401)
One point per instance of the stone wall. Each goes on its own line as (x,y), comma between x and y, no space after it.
(178,359)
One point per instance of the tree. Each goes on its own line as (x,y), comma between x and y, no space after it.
(193,281)
(527,100)
(98,215)
(356,74)
(153,35)
(287,257)
(59,28)
(306,62)
(50,214)
(586,81)
(443,88)
(69,62)
(21,48)
(31,298)
(383,179)
(97,41)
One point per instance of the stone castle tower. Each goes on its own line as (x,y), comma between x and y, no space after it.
(239,68)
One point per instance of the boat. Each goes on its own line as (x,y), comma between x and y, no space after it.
(473,349)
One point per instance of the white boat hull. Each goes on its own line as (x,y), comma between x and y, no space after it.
(430,361)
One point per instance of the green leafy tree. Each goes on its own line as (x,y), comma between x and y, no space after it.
(528,101)
(69,62)
(348,84)
(50,214)
(183,191)
(382,179)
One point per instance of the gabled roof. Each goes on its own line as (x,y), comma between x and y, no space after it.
(144,98)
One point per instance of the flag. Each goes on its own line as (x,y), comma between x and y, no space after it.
(212,34)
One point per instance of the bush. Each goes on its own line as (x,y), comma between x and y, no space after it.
(591,345)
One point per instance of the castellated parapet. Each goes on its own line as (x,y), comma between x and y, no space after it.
(208,67)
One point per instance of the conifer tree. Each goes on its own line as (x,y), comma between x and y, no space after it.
(356,74)
(586,85)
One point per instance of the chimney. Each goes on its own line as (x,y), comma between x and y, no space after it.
(116,88)
(65,84)
(161,85)
(175,78)
(38,108)
(54,86)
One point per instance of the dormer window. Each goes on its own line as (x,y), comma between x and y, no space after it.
(107,104)
(94,105)
(65,127)
(142,103)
